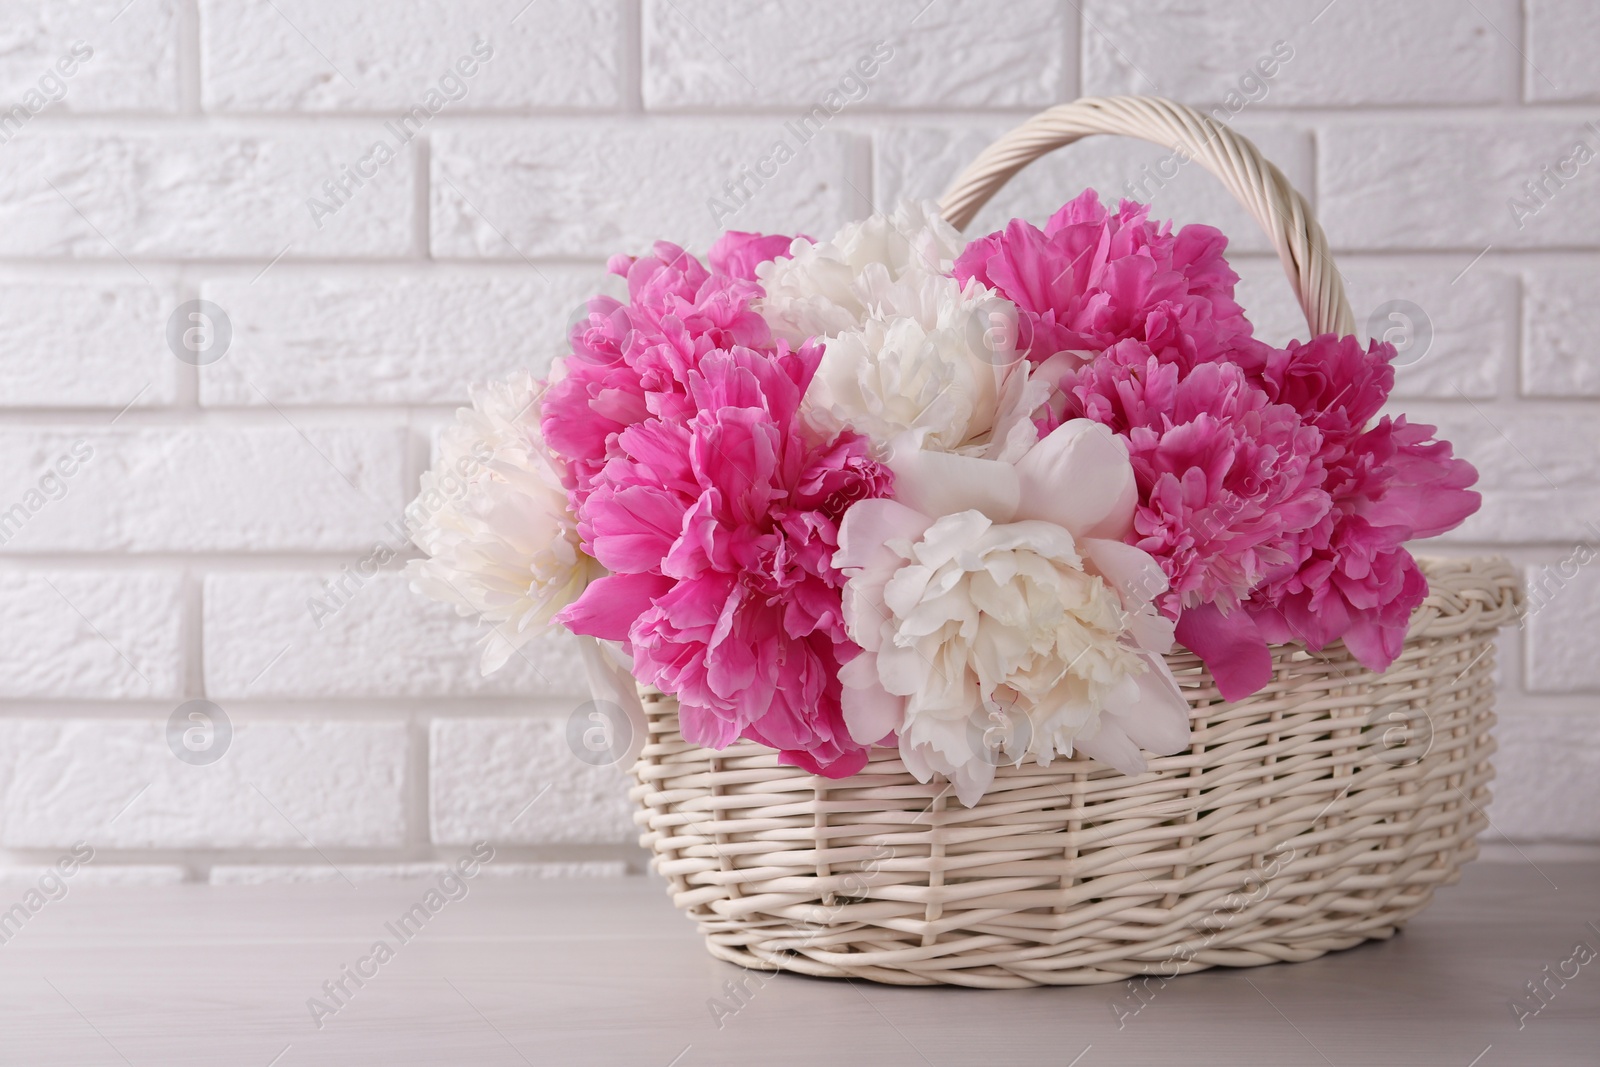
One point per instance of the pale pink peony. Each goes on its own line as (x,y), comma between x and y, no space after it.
(719,530)
(995,601)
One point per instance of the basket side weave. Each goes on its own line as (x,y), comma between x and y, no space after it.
(1317,814)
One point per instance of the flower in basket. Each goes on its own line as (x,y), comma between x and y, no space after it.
(900,490)
(1276,513)
(493,519)
(1000,594)
(719,530)
(906,346)
(1387,483)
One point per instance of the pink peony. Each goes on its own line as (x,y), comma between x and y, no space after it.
(719,530)
(738,254)
(1332,382)
(1229,482)
(631,361)
(1274,511)
(1230,489)
(1091,278)
(1389,484)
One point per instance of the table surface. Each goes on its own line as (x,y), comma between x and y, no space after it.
(607,972)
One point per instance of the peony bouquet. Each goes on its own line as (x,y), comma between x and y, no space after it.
(954,497)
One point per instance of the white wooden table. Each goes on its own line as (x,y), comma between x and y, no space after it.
(606,972)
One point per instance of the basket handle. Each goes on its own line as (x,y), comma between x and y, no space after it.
(1261,187)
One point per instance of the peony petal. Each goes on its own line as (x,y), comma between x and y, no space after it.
(972,780)
(867,529)
(1132,572)
(738,254)
(903,670)
(704,727)
(1159,721)
(611,682)
(870,712)
(844,765)
(1231,647)
(610,606)
(968,775)
(1079,477)
(1152,631)
(1373,645)
(1112,747)
(940,483)
(637,528)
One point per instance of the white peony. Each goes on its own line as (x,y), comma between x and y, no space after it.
(905,346)
(828,288)
(492,517)
(1001,615)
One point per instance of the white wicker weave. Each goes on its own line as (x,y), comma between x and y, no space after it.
(1319,813)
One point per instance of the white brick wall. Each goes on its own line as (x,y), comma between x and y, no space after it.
(177,190)
(371,639)
(584,188)
(1365,52)
(723,53)
(134,65)
(336,783)
(180,160)
(380,334)
(293,56)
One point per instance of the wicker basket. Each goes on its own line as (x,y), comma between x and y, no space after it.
(1317,814)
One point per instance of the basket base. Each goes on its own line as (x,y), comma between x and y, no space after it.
(1047,970)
